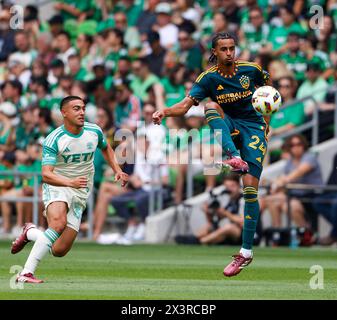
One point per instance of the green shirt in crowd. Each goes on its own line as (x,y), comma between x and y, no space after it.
(9,178)
(278,36)
(140,87)
(293,114)
(28,181)
(297,63)
(255,38)
(173,93)
(111,60)
(81,5)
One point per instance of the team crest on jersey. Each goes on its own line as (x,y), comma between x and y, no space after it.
(245,82)
(90,145)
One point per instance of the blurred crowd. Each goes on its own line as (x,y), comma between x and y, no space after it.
(128,58)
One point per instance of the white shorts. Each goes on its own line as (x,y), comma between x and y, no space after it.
(76,204)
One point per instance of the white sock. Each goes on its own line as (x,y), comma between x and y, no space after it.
(33,234)
(246,252)
(42,245)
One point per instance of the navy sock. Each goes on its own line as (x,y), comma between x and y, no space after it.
(251,213)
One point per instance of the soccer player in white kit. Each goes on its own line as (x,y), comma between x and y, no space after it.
(67,173)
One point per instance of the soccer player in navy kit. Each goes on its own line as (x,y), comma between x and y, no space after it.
(230,85)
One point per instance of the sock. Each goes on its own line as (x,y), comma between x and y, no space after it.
(246,253)
(224,139)
(251,214)
(42,245)
(33,234)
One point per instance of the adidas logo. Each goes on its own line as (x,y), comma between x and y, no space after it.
(66,149)
(259,159)
(220,87)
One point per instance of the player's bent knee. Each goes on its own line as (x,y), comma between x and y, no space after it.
(58,225)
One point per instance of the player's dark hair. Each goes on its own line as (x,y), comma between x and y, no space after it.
(215,39)
(68,99)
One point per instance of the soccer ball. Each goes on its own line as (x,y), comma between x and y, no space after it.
(266,100)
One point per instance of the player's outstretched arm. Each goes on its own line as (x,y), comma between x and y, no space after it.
(109,156)
(177,110)
(49,177)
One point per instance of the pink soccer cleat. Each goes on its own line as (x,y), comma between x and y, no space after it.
(238,263)
(27,278)
(22,240)
(236,165)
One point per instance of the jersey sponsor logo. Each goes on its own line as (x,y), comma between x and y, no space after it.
(220,87)
(233,96)
(244,81)
(78,157)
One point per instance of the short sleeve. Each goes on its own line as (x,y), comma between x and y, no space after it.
(310,159)
(199,90)
(102,143)
(261,76)
(296,114)
(49,155)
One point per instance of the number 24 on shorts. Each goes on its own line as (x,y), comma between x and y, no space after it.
(256,142)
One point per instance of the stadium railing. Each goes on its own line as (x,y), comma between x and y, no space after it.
(310,188)
(156,195)
(311,124)
(34,199)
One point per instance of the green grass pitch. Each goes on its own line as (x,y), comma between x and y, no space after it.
(167,272)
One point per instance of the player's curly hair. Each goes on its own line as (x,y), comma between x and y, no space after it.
(215,39)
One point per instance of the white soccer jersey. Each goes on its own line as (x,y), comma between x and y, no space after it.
(73,155)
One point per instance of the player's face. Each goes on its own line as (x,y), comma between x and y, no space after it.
(225,51)
(74,112)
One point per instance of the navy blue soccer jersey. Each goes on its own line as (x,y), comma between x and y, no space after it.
(232,92)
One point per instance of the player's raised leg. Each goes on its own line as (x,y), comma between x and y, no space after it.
(215,118)
(57,221)
(251,216)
